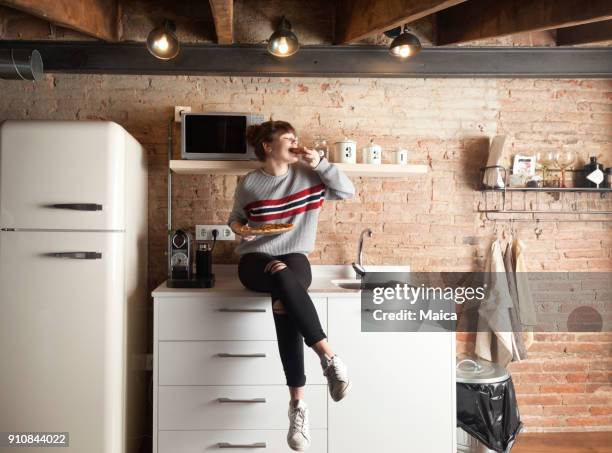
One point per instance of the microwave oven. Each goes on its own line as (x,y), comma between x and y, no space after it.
(217,136)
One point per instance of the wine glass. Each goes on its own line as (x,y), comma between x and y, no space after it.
(545,160)
(565,159)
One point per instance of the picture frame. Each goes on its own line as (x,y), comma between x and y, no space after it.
(524,165)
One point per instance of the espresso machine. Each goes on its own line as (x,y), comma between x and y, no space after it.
(181,272)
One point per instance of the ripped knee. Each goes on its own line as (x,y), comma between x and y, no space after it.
(275,266)
(278,307)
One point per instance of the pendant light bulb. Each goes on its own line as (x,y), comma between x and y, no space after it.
(283,46)
(283,42)
(162,41)
(405,45)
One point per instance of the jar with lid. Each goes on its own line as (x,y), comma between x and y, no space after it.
(346,151)
(371,154)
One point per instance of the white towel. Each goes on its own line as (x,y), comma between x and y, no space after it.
(493,341)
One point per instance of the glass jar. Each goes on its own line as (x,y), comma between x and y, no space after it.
(320,145)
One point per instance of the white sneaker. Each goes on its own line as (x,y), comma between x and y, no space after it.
(336,373)
(298,436)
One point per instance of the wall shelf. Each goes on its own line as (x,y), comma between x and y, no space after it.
(224,167)
(552,204)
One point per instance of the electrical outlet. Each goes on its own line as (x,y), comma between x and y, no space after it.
(204,233)
(179,110)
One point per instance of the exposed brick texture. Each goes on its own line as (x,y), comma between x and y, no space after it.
(427,221)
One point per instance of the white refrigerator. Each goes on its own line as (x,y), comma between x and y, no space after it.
(73,282)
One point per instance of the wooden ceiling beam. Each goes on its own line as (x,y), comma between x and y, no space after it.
(585,34)
(97,18)
(479,19)
(223,15)
(357,19)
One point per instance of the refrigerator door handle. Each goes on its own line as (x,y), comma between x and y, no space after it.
(75,255)
(77,206)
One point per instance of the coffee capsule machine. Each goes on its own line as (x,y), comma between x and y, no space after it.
(181,273)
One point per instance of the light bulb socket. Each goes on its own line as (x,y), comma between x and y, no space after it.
(170,25)
(284,24)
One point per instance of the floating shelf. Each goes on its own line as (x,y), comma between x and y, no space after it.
(225,167)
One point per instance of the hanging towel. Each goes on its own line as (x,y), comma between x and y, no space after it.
(493,339)
(519,350)
(527,311)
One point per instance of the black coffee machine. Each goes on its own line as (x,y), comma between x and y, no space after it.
(180,263)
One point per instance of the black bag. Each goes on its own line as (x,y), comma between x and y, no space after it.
(489,413)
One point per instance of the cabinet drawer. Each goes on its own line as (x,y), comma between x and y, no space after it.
(228,363)
(221,318)
(240,407)
(273,441)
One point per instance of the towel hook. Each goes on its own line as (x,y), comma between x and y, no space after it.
(538,229)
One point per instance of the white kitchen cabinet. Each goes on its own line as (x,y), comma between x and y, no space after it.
(402,395)
(218,380)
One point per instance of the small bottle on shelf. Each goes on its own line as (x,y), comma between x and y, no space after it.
(593,173)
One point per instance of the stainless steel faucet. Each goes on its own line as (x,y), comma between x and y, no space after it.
(358,266)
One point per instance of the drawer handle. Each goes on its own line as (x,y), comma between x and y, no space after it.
(254,445)
(238,400)
(228,354)
(243,310)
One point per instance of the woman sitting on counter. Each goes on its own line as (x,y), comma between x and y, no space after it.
(290,190)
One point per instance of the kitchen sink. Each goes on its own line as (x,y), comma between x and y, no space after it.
(400,274)
(347,283)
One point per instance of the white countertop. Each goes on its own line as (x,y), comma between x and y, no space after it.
(227,282)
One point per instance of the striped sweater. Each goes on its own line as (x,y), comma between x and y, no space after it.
(295,197)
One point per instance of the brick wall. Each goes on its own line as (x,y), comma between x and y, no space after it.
(427,221)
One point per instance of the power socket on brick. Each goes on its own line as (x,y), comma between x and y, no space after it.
(204,233)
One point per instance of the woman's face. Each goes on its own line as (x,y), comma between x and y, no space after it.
(278,149)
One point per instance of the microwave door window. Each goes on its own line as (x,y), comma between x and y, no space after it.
(215,134)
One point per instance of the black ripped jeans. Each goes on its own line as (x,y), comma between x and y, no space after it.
(296,320)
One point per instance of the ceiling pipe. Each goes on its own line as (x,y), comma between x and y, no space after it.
(20,64)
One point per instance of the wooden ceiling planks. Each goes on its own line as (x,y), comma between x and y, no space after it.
(595,32)
(223,15)
(357,19)
(96,18)
(480,19)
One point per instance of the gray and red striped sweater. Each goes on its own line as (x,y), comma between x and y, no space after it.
(295,197)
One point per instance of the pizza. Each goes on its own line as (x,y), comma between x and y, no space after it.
(298,150)
(267,228)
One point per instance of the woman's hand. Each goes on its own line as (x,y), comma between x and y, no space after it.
(311,157)
(237,228)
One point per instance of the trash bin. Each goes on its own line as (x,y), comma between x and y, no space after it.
(488,419)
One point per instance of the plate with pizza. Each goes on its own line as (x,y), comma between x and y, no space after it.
(266,229)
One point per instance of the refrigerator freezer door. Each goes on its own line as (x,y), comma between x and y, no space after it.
(62,336)
(62,175)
